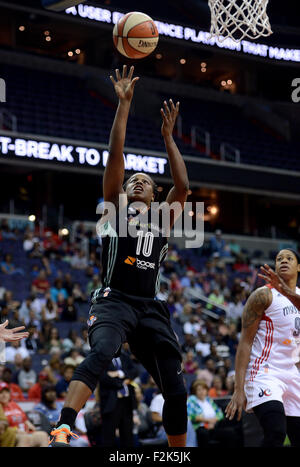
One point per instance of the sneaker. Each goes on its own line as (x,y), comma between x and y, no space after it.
(61,437)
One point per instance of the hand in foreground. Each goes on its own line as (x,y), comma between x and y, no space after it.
(124,86)
(272,278)
(236,405)
(10,335)
(169,117)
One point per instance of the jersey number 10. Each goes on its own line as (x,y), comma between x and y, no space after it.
(147,241)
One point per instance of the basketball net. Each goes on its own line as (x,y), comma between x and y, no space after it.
(238,19)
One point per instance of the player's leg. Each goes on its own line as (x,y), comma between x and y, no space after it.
(164,365)
(105,342)
(272,419)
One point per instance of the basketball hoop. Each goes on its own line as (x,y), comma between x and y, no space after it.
(238,19)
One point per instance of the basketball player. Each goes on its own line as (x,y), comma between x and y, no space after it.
(10,335)
(125,308)
(267,380)
(272,278)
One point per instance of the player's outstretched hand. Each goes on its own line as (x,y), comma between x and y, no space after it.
(236,405)
(9,335)
(272,278)
(169,115)
(124,85)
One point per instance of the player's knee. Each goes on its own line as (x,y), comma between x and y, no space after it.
(273,421)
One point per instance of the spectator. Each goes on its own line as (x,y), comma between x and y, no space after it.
(216,297)
(29,240)
(190,364)
(72,341)
(203,413)
(208,419)
(41,284)
(156,409)
(69,312)
(58,289)
(27,375)
(229,383)
(35,392)
(49,405)
(163,292)
(33,322)
(93,284)
(49,311)
(7,266)
(192,326)
(187,278)
(175,282)
(143,418)
(37,250)
(14,348)
(25,308)
(207,374)
(235,308)
(217,389)
(218,245)
(186,314)
(62,385)
(53,343)
(33,343)
(61,303)
(79,260)
(15,390)
(9,302)
(74,358)
(78,294)
(68,283)
(85,348)
(15,321)
(17,418)
(202,347)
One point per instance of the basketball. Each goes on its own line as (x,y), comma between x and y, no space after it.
(135,35)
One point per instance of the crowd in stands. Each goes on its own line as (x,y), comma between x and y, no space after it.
(45,284)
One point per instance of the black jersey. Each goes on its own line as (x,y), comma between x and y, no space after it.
(131,263)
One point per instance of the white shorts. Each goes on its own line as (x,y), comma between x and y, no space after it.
(280,385)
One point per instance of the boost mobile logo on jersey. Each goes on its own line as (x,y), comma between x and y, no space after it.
(139,263)
(130,260)
(264,392)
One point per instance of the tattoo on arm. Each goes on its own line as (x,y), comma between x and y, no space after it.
(256,305)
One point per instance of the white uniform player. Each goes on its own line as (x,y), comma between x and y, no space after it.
(272,373)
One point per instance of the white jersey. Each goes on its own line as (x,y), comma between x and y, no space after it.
(277,337)
(272,373)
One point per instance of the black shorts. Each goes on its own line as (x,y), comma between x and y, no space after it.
(142,322)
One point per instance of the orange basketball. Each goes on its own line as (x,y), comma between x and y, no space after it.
(135,35)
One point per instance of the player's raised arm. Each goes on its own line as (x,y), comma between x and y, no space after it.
(254,309)
(114,171)
(179,191)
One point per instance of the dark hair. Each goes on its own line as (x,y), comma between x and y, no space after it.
(47,388)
